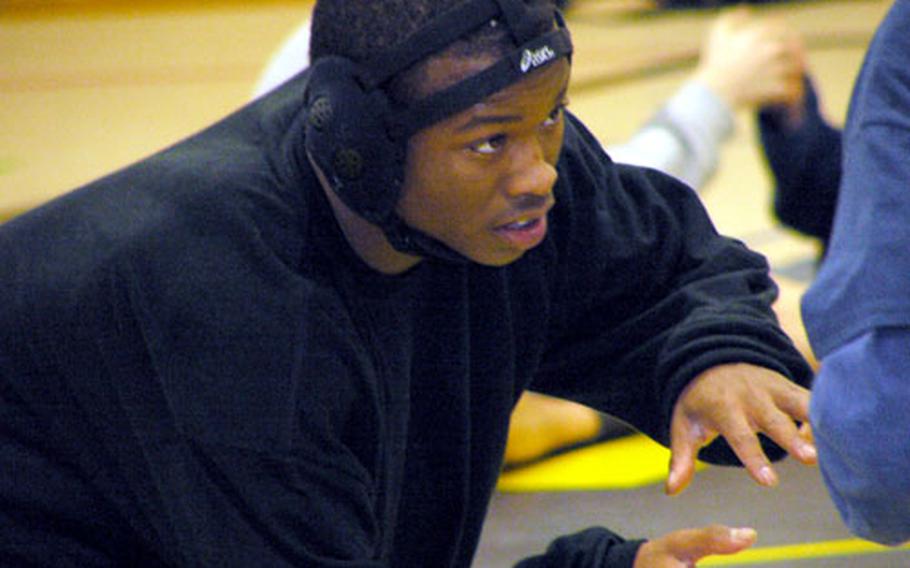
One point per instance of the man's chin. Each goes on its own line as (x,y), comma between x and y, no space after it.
(497,260)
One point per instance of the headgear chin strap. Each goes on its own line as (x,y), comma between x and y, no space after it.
(358,136)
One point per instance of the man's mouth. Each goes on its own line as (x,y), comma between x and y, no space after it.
(520,224)
(525,232)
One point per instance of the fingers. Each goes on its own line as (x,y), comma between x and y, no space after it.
(686,438)
(736,540)
(790,67)
(733,18)
(738,402)
(694,544)
(688,435)
(743,439)
(793,400)
(791,403)
(686,547)
(781,428)
(805,432)
(773,416)
(751,61)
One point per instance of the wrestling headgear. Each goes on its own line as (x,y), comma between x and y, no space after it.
(358,136)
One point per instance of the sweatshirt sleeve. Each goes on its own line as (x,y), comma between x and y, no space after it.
(595,547)
(805,162)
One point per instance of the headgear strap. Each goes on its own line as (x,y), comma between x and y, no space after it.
(462,95)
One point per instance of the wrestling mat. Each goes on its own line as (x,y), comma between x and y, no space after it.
(635,461)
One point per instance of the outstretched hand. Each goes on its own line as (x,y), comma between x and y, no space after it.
(681,549)
(738,401)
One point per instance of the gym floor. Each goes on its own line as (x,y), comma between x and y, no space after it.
(88,86)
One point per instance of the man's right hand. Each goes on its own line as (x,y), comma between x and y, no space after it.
(683,548)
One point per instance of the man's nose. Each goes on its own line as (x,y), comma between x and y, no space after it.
(532,173)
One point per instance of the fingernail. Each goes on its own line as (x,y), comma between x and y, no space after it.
(767,477)
(672,479)
(808,452)
(743,534)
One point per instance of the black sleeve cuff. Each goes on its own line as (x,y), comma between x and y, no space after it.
(595,547)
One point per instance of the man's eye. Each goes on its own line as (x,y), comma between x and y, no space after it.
(489,145)
(554,116)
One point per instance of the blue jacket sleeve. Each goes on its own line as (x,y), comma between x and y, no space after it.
(861,386)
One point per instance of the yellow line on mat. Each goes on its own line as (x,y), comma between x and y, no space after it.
(625,463)
(802,551)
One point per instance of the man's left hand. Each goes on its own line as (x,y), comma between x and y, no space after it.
(738,401)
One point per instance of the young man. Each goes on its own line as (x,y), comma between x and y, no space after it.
(296,337)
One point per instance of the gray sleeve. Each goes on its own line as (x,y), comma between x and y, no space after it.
(684,136)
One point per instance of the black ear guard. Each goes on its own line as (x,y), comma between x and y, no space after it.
(358,137)
(348,137)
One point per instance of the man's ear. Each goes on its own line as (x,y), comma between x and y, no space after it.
(348,137)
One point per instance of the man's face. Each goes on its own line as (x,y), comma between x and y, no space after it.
(482,181)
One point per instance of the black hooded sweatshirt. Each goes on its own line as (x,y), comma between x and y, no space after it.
(197,370)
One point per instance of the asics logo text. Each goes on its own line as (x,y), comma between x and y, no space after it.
(532,59)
